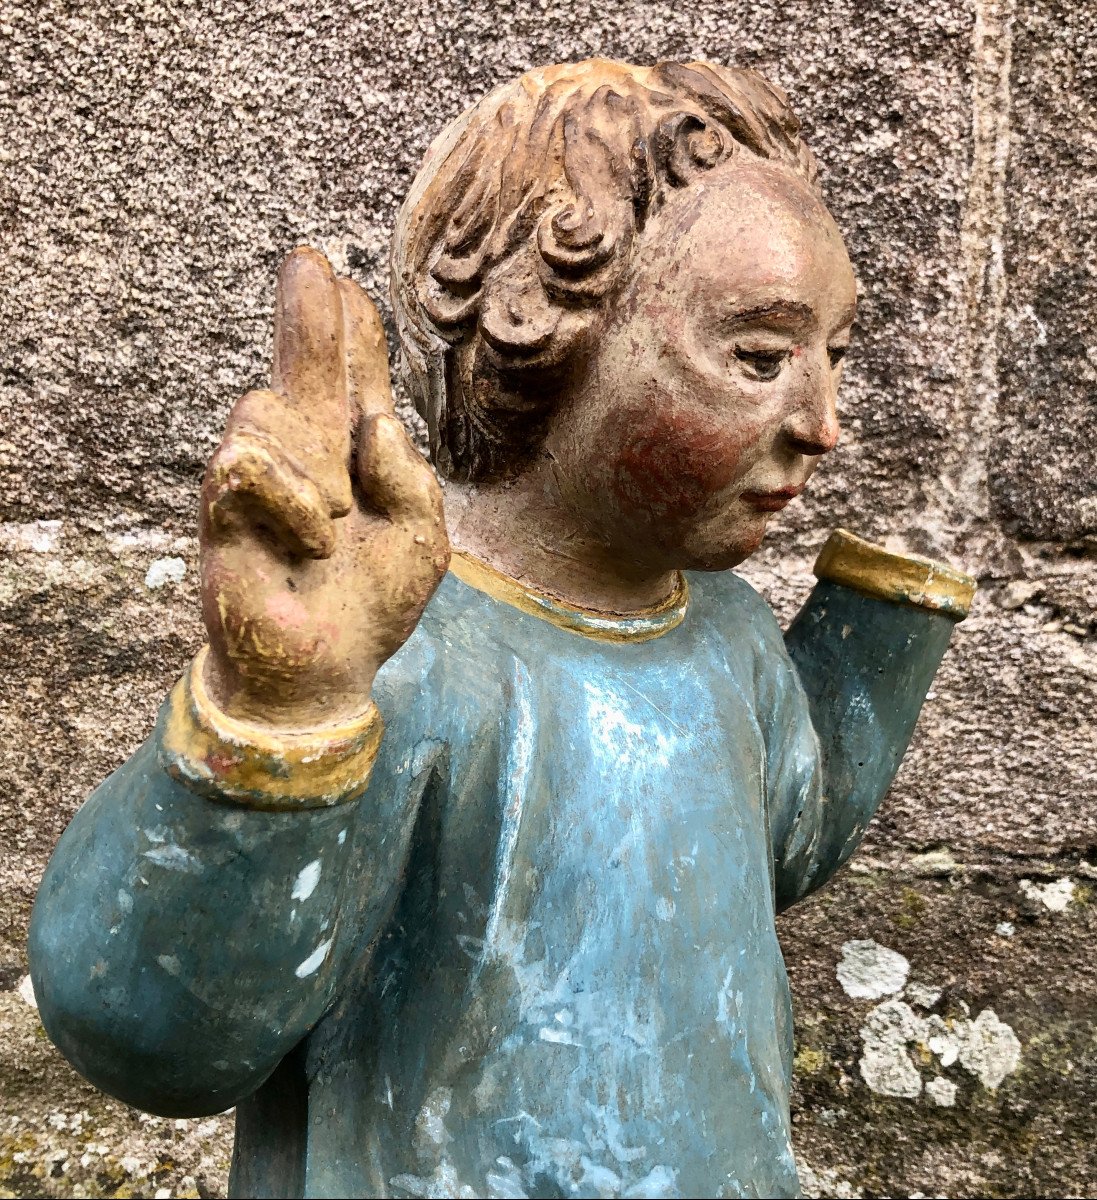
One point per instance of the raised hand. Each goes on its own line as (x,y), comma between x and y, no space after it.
(322,532)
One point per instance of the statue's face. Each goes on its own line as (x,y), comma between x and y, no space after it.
(709,398)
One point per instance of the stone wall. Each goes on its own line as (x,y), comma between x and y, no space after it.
(158,160)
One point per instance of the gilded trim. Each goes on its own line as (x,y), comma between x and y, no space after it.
(901,578)
(640,626)
(231,761)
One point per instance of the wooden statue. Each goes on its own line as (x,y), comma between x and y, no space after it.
(463,884)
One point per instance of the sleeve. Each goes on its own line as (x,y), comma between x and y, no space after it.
(200,910)
(862,654)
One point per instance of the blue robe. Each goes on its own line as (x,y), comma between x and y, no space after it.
(537,957)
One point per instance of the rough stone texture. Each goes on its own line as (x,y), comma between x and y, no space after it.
(158,161)
(1045,480)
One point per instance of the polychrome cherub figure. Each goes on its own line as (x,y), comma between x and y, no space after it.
(464,884)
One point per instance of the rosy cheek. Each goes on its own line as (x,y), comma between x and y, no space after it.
(672,462)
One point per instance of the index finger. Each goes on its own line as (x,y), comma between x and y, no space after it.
(308,339)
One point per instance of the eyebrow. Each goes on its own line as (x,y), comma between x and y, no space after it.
(786,309)
(789,310)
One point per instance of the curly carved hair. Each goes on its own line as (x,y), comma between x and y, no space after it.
(521,222)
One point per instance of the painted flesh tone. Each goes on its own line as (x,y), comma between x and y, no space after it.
(468,888)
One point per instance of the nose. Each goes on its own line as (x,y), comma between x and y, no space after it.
(811,426)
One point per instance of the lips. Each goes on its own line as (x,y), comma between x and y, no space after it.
(772,501)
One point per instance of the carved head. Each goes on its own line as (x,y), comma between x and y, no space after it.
(629,267)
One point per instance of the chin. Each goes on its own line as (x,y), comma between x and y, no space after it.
(722,558)
(708,551)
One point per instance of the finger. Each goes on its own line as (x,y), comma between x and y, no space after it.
(394,476)
(250,486)
(368,383)
(308,341)
(301,441)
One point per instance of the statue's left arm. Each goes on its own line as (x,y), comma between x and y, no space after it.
(864,650)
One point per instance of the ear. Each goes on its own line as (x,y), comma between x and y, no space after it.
(686,146)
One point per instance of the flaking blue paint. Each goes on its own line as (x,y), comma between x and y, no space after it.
(540,950)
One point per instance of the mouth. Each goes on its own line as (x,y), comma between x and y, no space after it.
(772,501)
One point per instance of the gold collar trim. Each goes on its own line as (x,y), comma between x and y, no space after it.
(640,626)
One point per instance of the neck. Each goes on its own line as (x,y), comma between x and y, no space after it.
(524,529)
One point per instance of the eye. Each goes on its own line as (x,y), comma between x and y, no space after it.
(836,354)
(761,364)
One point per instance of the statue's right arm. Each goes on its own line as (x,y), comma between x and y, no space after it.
(203,906)
(182,945)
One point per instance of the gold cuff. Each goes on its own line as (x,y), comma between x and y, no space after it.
(900,578)
(231,761)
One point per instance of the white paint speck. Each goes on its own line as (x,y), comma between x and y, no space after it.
(942,1091)
(868,970)
(442,1184)
(306,881)
(430,1124)
(659,1182)
(506,1183)
(1005,929)
(170,964)
(312,963)
(560,1037)
(342,836)
(1053,896)
(26,992)
(163,571)
(729,1003)
(173,858)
